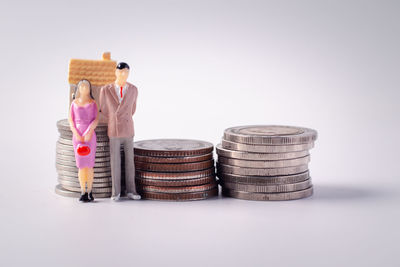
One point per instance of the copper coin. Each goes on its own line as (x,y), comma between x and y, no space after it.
(173,159)
(172,147)
(175,175)
(180,167)
(180,196)
(185,182)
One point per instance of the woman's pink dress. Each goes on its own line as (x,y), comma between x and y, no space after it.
(83,117)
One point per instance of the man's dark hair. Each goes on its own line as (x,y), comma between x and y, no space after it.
(122,65)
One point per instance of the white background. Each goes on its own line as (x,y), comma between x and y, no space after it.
(200,67)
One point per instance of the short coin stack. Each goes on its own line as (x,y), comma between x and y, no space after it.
(175,169)
(265,162)
(66,166)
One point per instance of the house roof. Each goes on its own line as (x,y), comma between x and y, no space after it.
(98,72)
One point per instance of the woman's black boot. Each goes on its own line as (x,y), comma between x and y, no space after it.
(91,198)
(84,197)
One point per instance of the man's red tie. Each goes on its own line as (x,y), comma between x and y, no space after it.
(121,91)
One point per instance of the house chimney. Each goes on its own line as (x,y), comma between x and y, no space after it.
(106,56)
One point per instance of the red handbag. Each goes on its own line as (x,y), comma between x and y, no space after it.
(83,150)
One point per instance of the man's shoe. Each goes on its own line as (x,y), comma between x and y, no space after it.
(134,196)
(116,198)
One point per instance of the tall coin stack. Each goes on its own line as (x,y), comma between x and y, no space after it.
(265,162)
(66,167)
(175,169)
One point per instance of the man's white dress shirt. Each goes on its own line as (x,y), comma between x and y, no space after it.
(118,91)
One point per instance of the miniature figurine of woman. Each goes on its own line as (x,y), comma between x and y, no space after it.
(83,120)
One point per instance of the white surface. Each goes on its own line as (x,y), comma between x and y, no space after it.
(202,67)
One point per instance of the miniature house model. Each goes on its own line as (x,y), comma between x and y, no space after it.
(98,72)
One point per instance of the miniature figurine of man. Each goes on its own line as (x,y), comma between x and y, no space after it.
(118,104)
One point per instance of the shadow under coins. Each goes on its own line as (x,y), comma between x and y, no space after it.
(351,192)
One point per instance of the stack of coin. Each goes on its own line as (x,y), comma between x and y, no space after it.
(66,165)
(175,169)
(265,162)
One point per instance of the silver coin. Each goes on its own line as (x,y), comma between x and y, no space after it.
(100,138)
(222,168)
(66,193)
(70,150)
(75,169)
(94,190)
(270,135)
(105,179)
(70,147)
(279,188)
(101,130)
(266,148)
(73,163)
(69,142)
(96,180)
(264,164)
(104,164)
(98,131)
(268,196)
(67,129)
(69,134)
(77,184)
(259,156)
(64,124)
(264,180)
(71,153)
(72,158)
(74,173)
